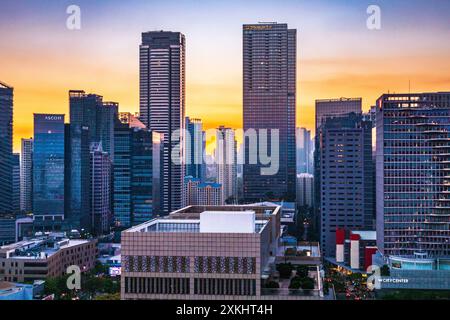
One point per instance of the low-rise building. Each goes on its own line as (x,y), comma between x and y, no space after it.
(204,253)
(45,256)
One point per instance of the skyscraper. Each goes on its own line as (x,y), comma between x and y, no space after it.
(269,65)
(91,121)
(162,105)
(6,148)
(48,170)
(100,190)
(26,175)
(194,148)
(347,185)
(304,151)
(413,181)
(305,190)
(226,159)
(16,182)
(327,108)
(136,172)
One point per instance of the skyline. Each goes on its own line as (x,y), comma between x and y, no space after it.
(410,51)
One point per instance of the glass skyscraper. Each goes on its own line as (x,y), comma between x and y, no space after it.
(26,175)
(91,121)
(6,148)
(136,173)
(162,105)
(48,166)
(194,149)
(269,66)
(413,178)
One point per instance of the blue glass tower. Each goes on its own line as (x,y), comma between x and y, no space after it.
(48,166)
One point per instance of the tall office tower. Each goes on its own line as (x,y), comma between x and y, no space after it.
(413,181)
(162,105)
(269,66)
(201,193)
(48,171)
(226,162)
(327,108)
(100,190)
(106,116)
(347,187)
(304,151)
(26,175)
(91,121)
(6,148)
(136,174)
(16,182)
(194,148)
(305,190)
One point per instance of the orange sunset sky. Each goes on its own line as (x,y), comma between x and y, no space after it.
(337,55)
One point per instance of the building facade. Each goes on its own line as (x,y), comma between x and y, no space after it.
(16,182)
(269,87)
(168,258)
(413,182)
(305,147)
(137,173)
(101,212)
(91,121)
(347,185)
(47,256)
(331,108)
(194,149)
(6,148)
(305,190)
(197,192)
(48,170)
(26,175)
(226,162)
(162,105)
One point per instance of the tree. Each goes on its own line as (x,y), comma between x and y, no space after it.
(285,270)
(272,285)
(384,270)
(302,271)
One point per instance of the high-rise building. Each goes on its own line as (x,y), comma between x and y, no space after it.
(16,182)
(100,190)
(91,121)
(327,108)
(226,161)
(6,148)
(413,179)
(136,174)
(305,190)
(162,105)
(194,148)
(201,193)
(347,185)
(304,151)
(269,65)
(26,175)
(48,170)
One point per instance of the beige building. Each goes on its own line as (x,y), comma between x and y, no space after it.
(47,256)
(200,252)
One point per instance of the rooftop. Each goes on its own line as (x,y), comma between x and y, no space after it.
(211,219)
(39,248)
